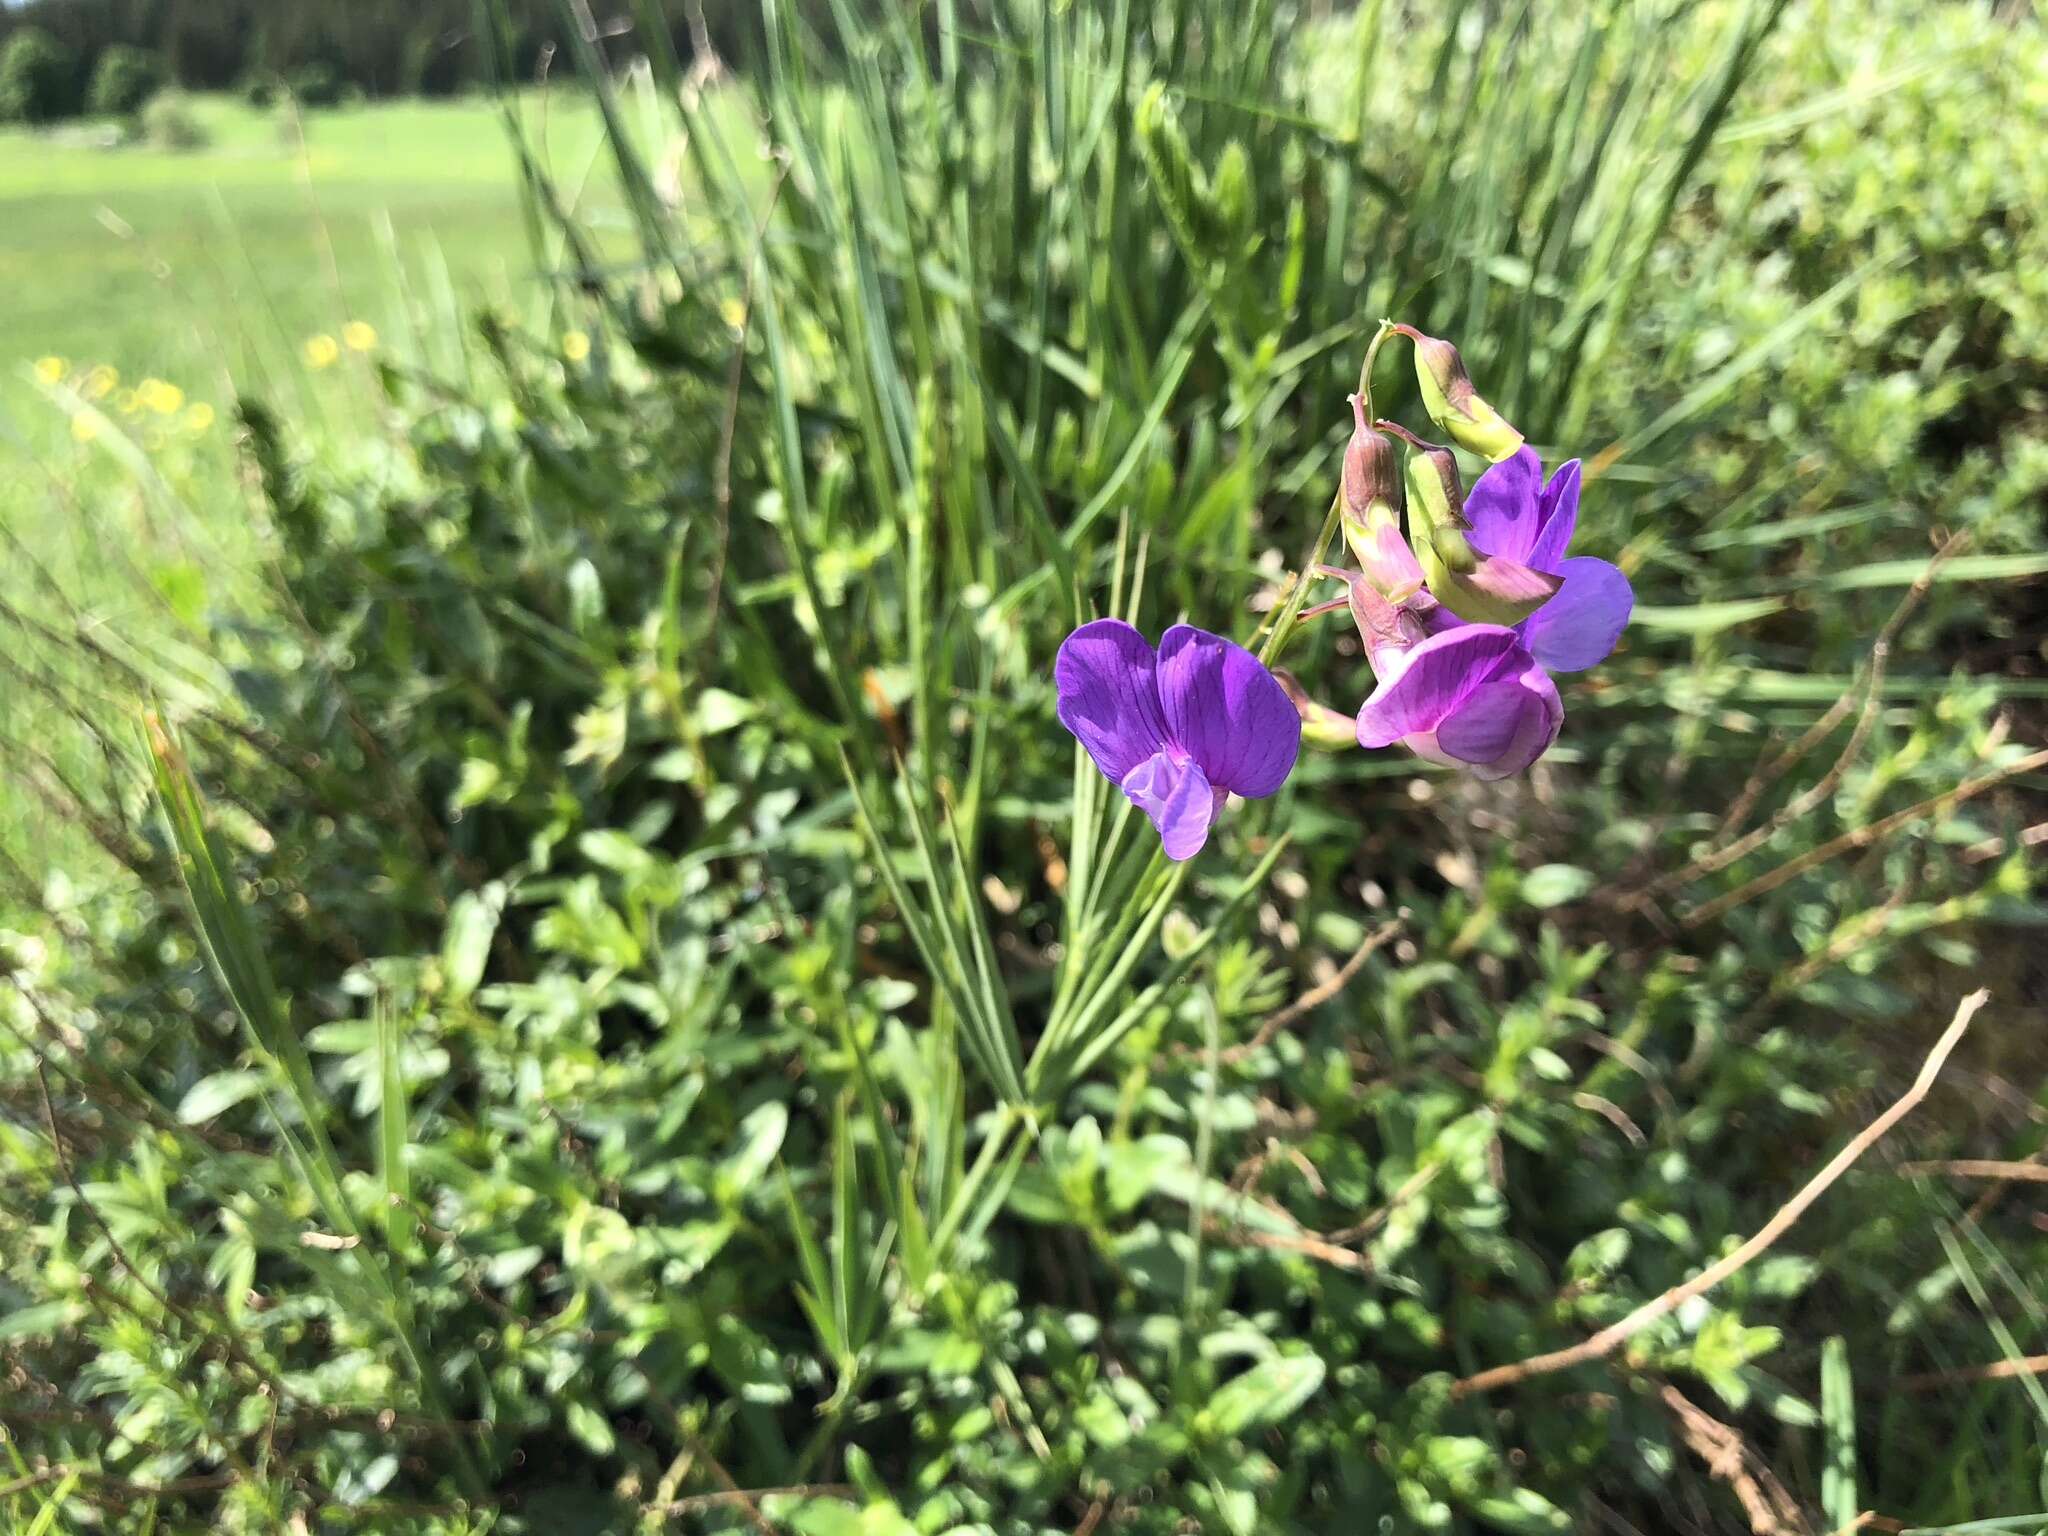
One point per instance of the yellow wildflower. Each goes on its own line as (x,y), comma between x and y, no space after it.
(85,427)
(321,351)
(163,398)
(51,369)
(198,417)
(575,346)
(359,335)
(100,382)
(128,401)
(734,312)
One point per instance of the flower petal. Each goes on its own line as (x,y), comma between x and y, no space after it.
(1227,712)
(1178,798)
(1509,581)
(1557,517)
(1389,564)
(1505,725)
(1486,720)
(1109,695)
(1424,685)
(1503,507)
(1578,627)
(1539,715)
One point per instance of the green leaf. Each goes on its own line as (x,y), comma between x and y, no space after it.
(1903,573)
(1706,618)
(466,944)
(40,1321)
(1132,1170)
(718,711)
(1266,1394)
(591,1427)
(1524,1511)
(1552,885)
(217,1092)
(760,1138)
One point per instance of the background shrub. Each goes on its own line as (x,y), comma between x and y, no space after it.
(315,85)
(515,1058)
(169,122)
(38,79)
(123,80)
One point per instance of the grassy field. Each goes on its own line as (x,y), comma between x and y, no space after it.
(183,264)
(256,261)
(148,287)
(607,997)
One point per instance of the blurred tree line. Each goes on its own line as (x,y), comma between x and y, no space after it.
(326,47)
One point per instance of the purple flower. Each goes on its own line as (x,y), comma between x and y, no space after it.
(1517,515)
(1179,728)
(1469,696)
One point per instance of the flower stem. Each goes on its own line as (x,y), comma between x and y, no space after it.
(1372,352)
(1290,610)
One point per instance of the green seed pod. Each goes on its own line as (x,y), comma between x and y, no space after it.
(1480,588)
(1448,396)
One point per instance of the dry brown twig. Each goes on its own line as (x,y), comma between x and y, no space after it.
(1769,772)
(1861,837)
(1977,1168)
(1771,1510)
(1316,995)
(1997,1370)
(1612,1337)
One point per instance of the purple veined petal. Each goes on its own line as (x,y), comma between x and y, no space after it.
(1510,581)
(1389,564)
(1502,506)
(1486,721)
(1178,798)
(1578,627)
(1557,517)
(1227,712)
(1504,725)
(1106,675)
(1500,728)
(1433,678)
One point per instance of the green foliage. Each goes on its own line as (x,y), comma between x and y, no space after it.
(123,79)
(315,85)
(624,1010)
(38,79)
(168,122)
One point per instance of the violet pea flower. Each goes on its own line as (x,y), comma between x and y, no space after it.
(1179,728)
(1515,514)
(1469,696)
(1465,695)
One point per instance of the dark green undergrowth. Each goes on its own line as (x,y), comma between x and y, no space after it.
(619,1009)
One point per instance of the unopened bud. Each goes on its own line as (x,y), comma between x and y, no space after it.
(1448,396)
(1372,482)
(1455,550)
(1436,499)
(1480,588)
(1329,729)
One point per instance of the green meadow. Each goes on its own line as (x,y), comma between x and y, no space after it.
(193,264)
(603,933)
(286,256)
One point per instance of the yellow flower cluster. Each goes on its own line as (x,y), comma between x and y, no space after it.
(323,351)
(152,397)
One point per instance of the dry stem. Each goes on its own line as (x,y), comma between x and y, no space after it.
(1611,1338)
